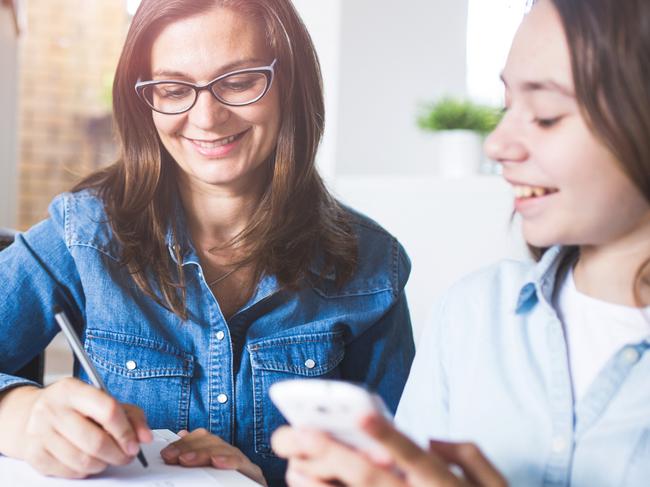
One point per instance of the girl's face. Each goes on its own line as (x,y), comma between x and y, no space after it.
(198,49)
(569,189)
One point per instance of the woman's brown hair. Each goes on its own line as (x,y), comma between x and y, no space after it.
(609,46)
(296,221)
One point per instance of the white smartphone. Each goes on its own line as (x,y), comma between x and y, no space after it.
(334,407)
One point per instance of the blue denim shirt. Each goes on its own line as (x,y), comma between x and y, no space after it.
(206,372)
(493,368)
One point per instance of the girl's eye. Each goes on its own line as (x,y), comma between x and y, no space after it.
(547,123)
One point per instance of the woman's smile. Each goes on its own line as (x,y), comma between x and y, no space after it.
(217,148)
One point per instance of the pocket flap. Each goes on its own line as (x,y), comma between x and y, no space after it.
(306,355)
(136,357)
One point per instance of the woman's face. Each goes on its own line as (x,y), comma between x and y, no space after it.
(198,49)
(569,188)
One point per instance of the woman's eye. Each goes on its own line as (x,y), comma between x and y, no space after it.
(176,93)
(238,86)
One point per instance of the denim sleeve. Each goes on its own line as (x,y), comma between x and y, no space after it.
(381,356)
(29,294)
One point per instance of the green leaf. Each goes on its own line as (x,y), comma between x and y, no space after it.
(457,114)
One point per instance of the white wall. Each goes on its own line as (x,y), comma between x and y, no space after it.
(395,56)
(449,227)
(380,63)
(8,120)
(323,20)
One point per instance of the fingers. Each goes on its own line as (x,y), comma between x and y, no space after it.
(72,429)
(285,442)
(107,412)
(409,458)
(322,459)
(476,467)
(194,449)
(139,423)
(202,448)
(44,463)
(77,461)
(88,438)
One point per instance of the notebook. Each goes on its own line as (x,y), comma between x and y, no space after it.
(158,474)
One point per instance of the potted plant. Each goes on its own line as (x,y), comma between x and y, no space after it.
(460,127)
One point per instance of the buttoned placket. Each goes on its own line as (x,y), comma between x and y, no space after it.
(560,390)
(605,386)
(220,369)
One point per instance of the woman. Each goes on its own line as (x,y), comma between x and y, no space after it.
(544,367)
(207,263)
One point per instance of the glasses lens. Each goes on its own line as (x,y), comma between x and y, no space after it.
(169,97)
(240,88)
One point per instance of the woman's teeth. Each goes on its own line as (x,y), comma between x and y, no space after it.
(215,143)
(531,191)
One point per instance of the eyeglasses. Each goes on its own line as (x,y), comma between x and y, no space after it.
(235,89)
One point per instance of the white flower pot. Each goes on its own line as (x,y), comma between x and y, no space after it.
(458,153)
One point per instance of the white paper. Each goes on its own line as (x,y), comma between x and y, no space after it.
(158,474)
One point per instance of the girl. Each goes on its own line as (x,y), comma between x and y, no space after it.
(544,367)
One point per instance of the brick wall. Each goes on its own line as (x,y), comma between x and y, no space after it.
(67,58)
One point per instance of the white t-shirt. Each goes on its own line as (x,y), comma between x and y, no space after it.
(595,330)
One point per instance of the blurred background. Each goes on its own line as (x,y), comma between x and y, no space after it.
(382,64)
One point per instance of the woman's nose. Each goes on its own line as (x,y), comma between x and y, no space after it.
(208,112)
(505,143)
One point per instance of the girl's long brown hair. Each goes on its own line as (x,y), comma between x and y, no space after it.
(609,45)
(296,221)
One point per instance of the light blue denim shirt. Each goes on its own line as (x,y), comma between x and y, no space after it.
(493,368)
(205,372)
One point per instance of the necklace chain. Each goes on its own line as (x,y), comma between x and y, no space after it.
(222,277)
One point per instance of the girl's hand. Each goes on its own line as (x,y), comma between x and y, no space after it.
(316,460)
(201,448)
(70,429)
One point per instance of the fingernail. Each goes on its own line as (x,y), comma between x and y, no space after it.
(188,457)
(170,451)
(132,448)
(220,461)
(371,424)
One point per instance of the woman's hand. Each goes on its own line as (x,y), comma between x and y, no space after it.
(200,448)
(70,429)
(316,460)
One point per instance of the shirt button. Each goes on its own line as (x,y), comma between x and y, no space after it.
(310,364)
(220,335)
(131,365)
(558,444)
(631,355)
(222,398)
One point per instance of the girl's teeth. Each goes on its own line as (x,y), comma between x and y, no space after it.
(530,191)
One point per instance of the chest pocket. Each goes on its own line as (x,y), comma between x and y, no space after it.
(277,359)
(148,373)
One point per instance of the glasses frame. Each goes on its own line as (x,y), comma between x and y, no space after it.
(267,71)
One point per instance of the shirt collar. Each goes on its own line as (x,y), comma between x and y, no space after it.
(179,235)
(540,281)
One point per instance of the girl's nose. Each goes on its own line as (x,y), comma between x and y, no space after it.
(505,143)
